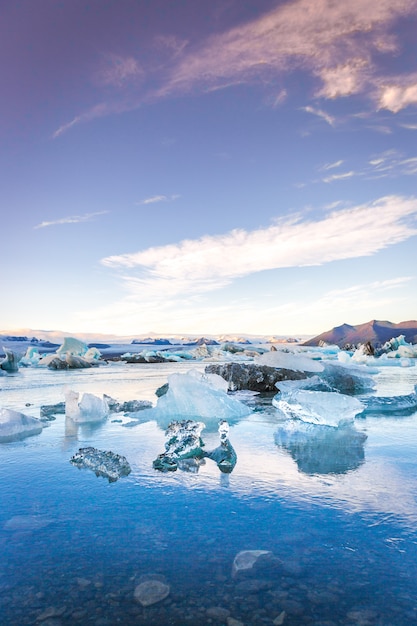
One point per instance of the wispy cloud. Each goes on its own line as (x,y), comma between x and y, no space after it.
(161,198)
(336,42)
(197,266)
(391,164)
(320,113)
(72,219)
(119,71)
(331,166)
(341,176)
(409,126)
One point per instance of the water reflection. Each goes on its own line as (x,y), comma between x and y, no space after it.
(320,449)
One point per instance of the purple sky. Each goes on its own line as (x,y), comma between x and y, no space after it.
(208,167)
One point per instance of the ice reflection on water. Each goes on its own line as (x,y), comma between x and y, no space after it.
(74,545)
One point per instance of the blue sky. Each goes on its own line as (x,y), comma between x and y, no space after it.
(208,167)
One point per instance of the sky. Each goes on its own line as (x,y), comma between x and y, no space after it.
(205,167)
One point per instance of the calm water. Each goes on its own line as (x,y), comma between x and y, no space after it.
(341,518)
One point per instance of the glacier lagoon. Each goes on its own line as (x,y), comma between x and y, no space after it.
(335,507)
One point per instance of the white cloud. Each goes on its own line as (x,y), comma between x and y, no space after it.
(409,126)
(72,219)
(342,80)
(211,262)
(342,176)
(334,41)
(331,166)
(320,113)
(395,97)
(161,198)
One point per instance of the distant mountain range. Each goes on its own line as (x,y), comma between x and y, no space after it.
(375,331)
(57,336)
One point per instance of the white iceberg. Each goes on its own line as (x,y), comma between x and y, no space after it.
(318,407)
(32,356)
(195,395)
(73,346)
(348,378)
(15,425)
(90,409)
(289,361)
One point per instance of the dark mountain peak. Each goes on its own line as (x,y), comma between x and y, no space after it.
(375,331)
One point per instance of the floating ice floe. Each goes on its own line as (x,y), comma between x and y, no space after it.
(184,448)
(10,363)
(15,425)
(72,354)
(289,361)
(321,449)
(348,378)
(224,455)
(102,462)
(195,395)
(90,409)
(391,405)
(31,357)
(398,347)
(183,442)
(318,407)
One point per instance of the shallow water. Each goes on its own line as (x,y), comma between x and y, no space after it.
(341,520)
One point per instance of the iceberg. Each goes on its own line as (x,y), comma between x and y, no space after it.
(318,407)
(184,448)
(183,442)
(10,363)
(318,449)
(347,378)
(90,409)
(391,405)
(224,455)
(31,357)
(195,395)
(398,347)
(15,425)
(73,346)
(103,463)
(289,361)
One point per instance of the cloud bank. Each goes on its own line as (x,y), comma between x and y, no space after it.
(211,262)
(337,43)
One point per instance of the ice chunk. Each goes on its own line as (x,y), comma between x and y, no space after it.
(318,407)
(391,405)
(73,346)
(103,463)
(31,357)
(183,442)
(289,361)
(347,378)
(398,348)
(15,425)
(10,363)
(224,455)
(184,448)
(321,449)
(196,395)
(90,409)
